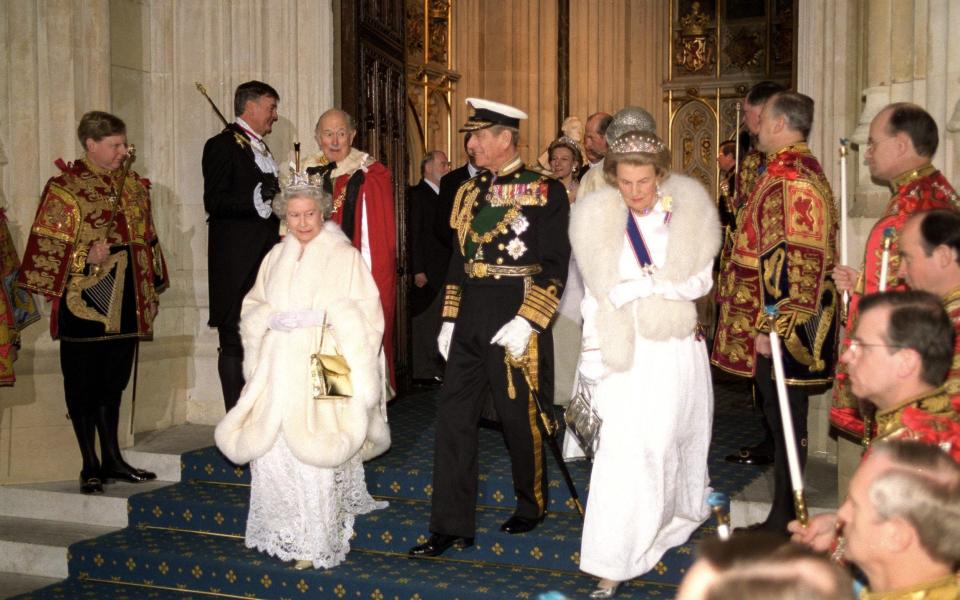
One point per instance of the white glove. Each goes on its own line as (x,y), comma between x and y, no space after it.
(289,320)
(443,340)
(514,336)
(630,290)
(263,207)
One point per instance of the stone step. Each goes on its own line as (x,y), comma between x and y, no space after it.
(159,451)
(62,501)
(752,504)
(14,584)
(38,547)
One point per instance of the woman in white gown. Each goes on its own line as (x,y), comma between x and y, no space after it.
(645,248)
(306,454)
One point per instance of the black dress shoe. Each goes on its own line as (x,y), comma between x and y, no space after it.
(126,473)
(90,485)
(749,456)
(518,524)
(439,543)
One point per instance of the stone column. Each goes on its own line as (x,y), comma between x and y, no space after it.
(826,71)
(55,57)
(139,59)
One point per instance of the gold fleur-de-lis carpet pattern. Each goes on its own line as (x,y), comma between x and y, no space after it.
(186,540)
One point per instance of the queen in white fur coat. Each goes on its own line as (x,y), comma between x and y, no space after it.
(644,357)
(306,455)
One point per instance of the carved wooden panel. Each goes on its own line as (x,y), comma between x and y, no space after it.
(373,90)
(693,130)
(719,49)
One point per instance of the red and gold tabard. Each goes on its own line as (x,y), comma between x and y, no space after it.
(17,308)
(922,189)
(76,210)
(783,254)
(751,167)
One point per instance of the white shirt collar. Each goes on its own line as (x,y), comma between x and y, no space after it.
(433,186)
(248,129)
(472,169)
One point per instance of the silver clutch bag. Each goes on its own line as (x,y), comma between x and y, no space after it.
(581,418)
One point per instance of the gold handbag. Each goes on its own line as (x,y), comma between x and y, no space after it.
(329,373)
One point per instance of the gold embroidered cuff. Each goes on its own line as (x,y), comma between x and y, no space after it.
(451,302)
(539,306)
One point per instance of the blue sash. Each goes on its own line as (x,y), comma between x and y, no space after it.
(636,241)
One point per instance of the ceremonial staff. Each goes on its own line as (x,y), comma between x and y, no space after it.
(793,458)
(545,421)
(203,91)
(843,215)
(720,505)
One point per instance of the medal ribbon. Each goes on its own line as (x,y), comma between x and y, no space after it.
(636,241)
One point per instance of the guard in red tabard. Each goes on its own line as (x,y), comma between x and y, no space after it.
(903,140)
(362,193)
(94,253)
(783,252)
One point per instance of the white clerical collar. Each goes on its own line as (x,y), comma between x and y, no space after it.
(433,186)
(472,169)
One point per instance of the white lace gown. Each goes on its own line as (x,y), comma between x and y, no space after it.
(649,483)
(302,512)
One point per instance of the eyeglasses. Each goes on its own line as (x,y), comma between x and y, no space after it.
(855,345)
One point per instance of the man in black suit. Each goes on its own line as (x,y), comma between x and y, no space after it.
(239,182)
(429,258)
(449,185)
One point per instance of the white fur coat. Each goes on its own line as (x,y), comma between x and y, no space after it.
(598,224)
(330,275)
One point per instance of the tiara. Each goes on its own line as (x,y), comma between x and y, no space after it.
(637,141)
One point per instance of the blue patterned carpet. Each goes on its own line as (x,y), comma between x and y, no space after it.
(186,540)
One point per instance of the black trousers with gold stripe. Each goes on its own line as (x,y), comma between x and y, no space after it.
(475,368)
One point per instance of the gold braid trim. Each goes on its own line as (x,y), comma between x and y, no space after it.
(528,365)
(540,305)
(451,302)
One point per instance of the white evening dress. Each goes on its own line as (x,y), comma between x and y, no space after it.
(306,456)
(302,512)
(649,483)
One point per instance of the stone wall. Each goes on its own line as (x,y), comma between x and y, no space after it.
(139,59)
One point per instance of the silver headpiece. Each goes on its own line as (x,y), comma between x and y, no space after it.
(301,182)
(631,118)
(637,141)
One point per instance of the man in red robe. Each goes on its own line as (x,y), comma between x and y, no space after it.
(903,139)
(362,193)
(783,252)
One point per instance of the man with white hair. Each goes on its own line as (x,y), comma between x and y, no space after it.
(900,522)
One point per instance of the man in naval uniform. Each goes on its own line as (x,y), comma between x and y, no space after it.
(362,191)
(783,253)
(95,255)
(503,287)
(239,182)
(903,139)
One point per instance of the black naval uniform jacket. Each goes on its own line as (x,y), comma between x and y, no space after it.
(238,237)
(516,219)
